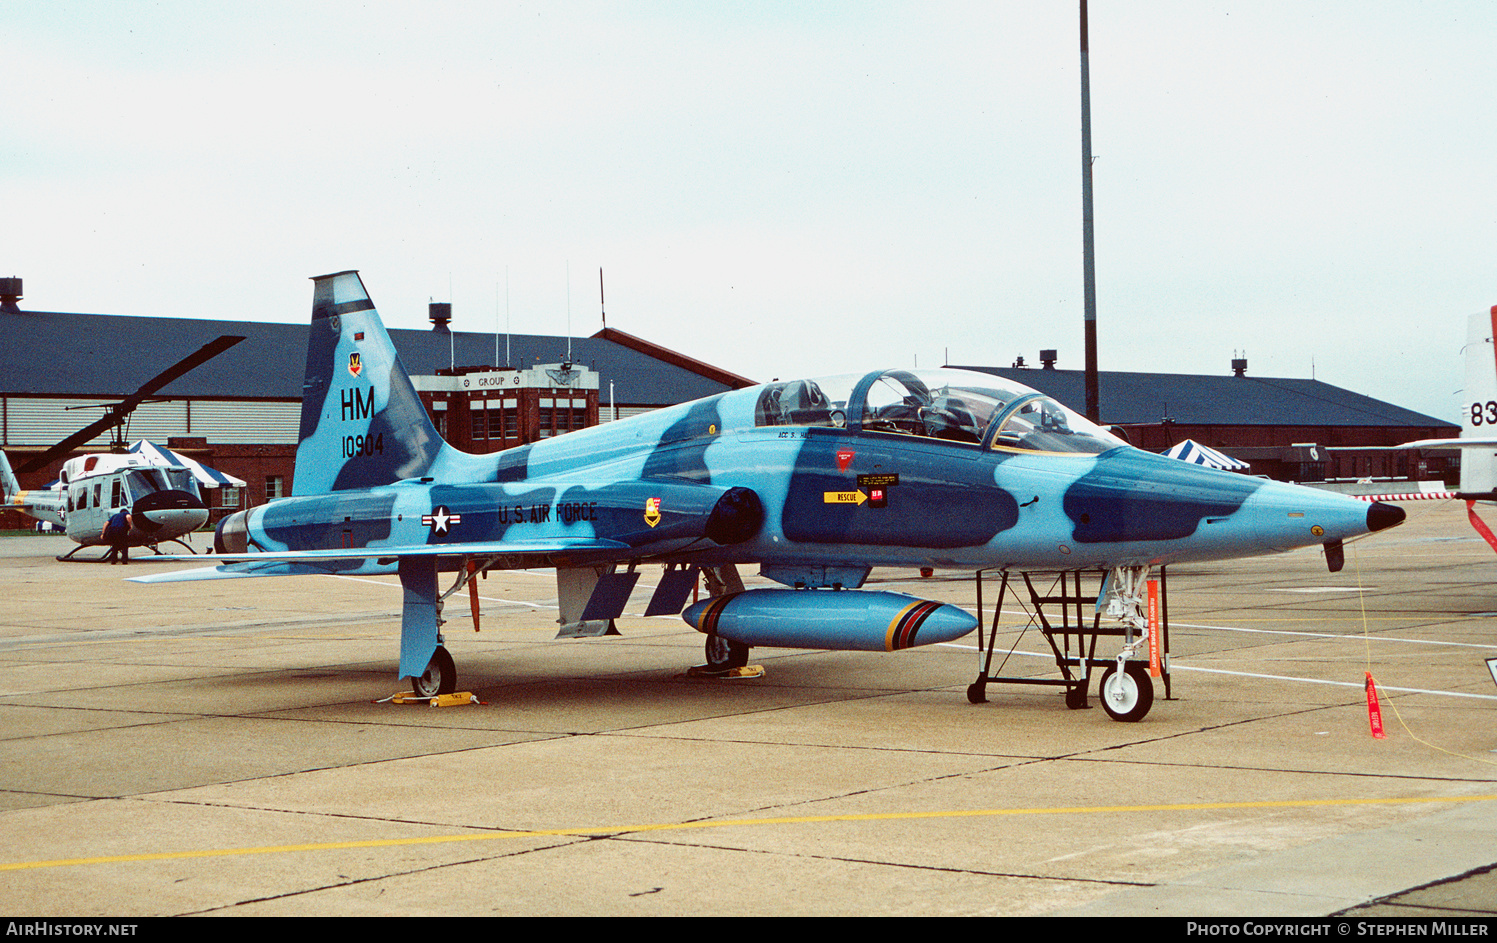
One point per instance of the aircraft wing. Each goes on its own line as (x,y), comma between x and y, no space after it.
(519,553)
(1469,442)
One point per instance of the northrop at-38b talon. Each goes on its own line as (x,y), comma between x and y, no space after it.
(815,481)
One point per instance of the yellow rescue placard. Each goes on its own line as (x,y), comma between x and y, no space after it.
(843,497)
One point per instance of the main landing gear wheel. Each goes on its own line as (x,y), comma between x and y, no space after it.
(440,676)
(725,655)
(1128,696)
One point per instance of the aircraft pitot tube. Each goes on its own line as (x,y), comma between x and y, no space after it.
(847,620)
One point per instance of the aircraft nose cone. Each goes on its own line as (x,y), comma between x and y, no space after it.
(1382,516)
(175,511)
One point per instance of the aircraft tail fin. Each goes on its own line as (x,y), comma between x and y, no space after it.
(1479,466)
(362,424)
(9,486)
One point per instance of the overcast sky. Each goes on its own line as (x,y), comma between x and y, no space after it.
(780,189)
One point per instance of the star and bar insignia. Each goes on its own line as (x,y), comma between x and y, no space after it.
(441,520)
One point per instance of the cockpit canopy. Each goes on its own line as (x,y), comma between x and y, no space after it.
(952,405)
(143,481)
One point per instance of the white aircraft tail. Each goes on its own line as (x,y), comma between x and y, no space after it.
(1479,421)
(9,486)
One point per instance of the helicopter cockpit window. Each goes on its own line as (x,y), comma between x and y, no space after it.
(144,481)
(180,479)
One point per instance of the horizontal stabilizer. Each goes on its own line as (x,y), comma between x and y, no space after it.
(235,571)
(323,562)
(477,549)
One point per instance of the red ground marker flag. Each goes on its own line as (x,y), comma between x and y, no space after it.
(1374,714)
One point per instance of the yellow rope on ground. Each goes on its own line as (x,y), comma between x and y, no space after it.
(1384,696)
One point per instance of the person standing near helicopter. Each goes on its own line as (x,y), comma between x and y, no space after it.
(116,534)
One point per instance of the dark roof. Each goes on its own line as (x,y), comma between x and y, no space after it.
(46,353)
(657,352)
(1147,398)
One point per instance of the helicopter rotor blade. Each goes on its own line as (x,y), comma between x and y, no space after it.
(120,410)
(187,364)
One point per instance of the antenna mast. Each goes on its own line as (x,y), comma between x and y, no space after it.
(1088,250)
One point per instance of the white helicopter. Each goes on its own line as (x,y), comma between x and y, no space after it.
(139,497)
(157,490)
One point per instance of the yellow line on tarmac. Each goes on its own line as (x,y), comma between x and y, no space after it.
(728,823)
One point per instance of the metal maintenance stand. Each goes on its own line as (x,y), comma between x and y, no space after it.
(1073,642)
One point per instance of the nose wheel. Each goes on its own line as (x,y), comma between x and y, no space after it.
(1126,695)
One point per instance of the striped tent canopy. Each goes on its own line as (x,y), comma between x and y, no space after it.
(206,477)
(1198,454)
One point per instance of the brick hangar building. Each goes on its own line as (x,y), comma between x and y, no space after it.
(240,412)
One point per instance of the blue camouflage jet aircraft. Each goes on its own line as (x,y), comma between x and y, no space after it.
(815,481)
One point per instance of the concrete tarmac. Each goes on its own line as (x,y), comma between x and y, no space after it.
(217,748)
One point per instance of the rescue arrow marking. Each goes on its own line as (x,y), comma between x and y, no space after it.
(843,497)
